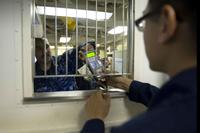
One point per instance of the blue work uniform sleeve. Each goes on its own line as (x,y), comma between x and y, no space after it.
(138,92)
(142,92)
(93,126)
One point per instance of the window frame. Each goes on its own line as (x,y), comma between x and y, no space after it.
(28,49)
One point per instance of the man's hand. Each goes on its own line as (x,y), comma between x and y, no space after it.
(119,82)
(98,105)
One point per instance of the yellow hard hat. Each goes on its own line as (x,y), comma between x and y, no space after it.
(71,23)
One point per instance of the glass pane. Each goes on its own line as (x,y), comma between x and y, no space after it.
(79,39)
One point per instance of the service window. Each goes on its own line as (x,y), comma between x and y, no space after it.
(73,43)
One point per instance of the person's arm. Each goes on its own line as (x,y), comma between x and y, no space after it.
(94,126)
(136,91)
(142,92)
(97,108)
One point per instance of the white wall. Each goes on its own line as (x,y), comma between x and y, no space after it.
(59,117)
(142,71)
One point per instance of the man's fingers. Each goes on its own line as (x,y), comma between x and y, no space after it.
(101,95)
(98,93)
(106,96)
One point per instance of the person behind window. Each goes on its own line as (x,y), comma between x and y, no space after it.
(82,83)
(51,84)
(170,38)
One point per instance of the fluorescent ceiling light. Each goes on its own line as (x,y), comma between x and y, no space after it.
(125,33)
(63,39)
(52,47)
(69,47)
(62,47)
(52,11)
(118,30)
(98,45)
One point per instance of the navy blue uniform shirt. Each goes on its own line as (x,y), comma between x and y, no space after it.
(52,84)
(171,109)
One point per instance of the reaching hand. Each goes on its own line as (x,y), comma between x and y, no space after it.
(119,82)
(98,105)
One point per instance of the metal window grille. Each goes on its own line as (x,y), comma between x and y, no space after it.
(82,20)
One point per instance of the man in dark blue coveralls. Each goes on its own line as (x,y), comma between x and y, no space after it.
(170,35)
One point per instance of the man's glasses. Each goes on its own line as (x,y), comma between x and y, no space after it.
(140,23)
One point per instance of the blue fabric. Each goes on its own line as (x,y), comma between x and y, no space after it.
(93,125)
(142,92)
(72,56)
(63,83)
(172,109)
(81,82)
(55,83)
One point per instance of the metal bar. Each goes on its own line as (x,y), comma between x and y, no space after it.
(131,30)
(66,52)
(56,47)
(86,33)
(105,46)
(105,54)
(123,38)
(76,37)
(133,37)
(114,35)
(96,39)
(45,60)
(69,75)
(58,97)
(33,29)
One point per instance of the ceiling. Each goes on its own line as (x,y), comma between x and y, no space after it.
(61,21)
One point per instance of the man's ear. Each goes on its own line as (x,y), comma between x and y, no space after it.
(168,24)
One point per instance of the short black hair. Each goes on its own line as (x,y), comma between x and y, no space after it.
(185,9)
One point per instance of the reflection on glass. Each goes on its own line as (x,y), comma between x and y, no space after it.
(61,62)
